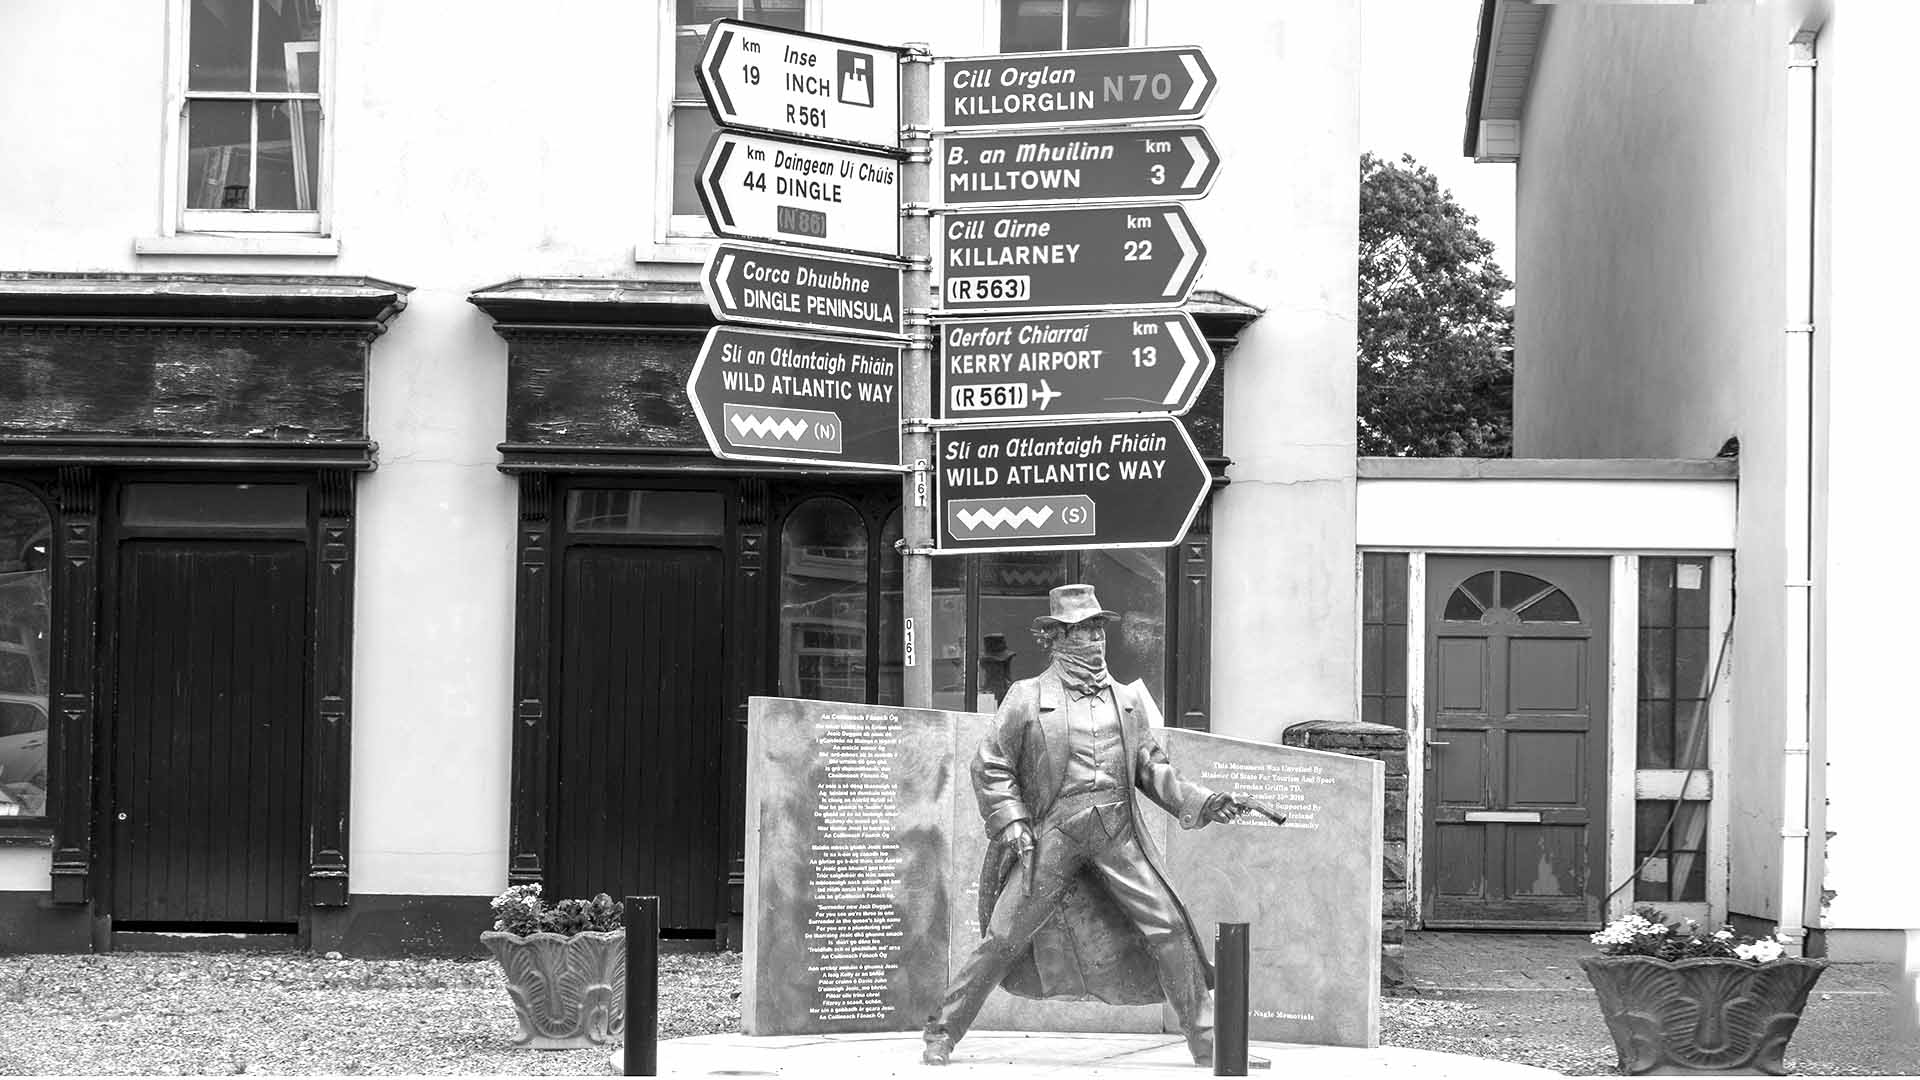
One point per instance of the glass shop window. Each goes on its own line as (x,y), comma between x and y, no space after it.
(1052,25)
(26,635)
(1676,675)
(690,122)
(253,116)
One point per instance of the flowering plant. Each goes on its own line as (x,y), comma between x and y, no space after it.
(519,911)
(1646,932)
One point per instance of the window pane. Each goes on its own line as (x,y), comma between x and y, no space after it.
(1481,587)
(692,127)
(1097,24)
(1133,583)
(289,155)
(258,505)
(1030,25)
(1013,593)
(289,46)
(690,40)
(26,636)
(946,647)
(217,35)
(823,602)
(1461,607)
(1690,592)
(654,513)
(219,165)
(1555,606)
(1516,589)
(892,646)
(1656,591)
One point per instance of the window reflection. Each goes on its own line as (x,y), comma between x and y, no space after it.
(1013,593)
(26,544)
(823,602)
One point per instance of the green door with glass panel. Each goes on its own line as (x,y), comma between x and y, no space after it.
(1515,821)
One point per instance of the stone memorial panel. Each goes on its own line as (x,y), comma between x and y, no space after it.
(1309,890)
(849,810)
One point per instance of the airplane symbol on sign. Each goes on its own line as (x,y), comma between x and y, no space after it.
(1045,395)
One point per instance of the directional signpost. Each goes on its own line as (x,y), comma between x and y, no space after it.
(1080,257)
(802,290)
(809,85)
(798,399)
(1077,166)
(1084,86)
(1061,366)
(1108,484)
(758,188)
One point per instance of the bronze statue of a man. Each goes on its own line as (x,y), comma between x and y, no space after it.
(1086,912)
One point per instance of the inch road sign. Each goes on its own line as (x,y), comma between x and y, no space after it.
(1077,166)
(1062,366)
(1072,257)
(762,395)
(802,290)
(1084,86)
(758,188)
(1092,484)
(809,85)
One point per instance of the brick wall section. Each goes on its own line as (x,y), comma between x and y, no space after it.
(1389,745)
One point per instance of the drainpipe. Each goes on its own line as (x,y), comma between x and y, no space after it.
(1798,516)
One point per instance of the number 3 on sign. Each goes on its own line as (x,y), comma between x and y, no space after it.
(1139,251)
(1145,356)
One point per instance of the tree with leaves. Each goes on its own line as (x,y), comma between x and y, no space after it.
(1436,337)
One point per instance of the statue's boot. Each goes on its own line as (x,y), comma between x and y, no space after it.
(1185,985)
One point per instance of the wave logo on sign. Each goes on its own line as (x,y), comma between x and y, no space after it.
(801,429)
(1058,515)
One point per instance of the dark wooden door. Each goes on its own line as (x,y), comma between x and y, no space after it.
(207,773)
(1516,742)
(638,783)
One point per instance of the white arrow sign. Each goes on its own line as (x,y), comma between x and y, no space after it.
(808,85)
(758,188)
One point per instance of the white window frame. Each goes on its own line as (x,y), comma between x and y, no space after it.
(176,220)
(1136,23)
(681,237)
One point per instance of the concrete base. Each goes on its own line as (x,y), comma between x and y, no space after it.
(998,1054)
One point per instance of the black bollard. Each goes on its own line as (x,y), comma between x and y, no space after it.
(642,1050)
(1230,1000)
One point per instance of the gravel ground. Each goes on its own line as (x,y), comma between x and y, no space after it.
(171,1013)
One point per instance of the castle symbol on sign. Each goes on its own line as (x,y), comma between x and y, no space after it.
(856,78)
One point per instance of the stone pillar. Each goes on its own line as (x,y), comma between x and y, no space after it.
(1389,745)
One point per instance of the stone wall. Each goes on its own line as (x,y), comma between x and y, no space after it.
(1389,745)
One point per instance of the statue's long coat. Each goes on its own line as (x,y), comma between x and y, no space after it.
(1088,949)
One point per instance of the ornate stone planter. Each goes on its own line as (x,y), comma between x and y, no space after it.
(569,990)
(1701,1016)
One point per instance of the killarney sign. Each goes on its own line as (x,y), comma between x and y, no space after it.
(758,188)
(1077,166)
(1083,86)
(1073,257)
(802,290)
(762,395)
(1093,484)
(808,85)
(1056,366)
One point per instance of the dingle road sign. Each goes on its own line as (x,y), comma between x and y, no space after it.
(1056,366)
(758,188)
(762,395)
(1077,166)
(1085,86)
(802,290)
(1093,484)
(808,85)
(1072,257)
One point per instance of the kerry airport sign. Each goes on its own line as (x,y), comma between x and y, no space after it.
(798,399)
(1063,366)
(758,188)
(1100,257)
(1104,484)
(807,85)
(1083,86)
(1077,166)
(802,290)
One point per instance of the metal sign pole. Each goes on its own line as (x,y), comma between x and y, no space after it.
(916,383)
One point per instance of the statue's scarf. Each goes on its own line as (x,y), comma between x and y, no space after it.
(1082,667)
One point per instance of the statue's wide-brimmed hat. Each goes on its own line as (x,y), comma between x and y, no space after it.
(1070,605)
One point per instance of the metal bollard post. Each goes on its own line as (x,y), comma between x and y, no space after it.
(642,1050)
(1230,1000)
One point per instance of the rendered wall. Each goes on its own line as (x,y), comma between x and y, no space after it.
(1650,306)
(477,143)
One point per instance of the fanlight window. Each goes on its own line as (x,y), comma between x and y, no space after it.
(1528,598)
